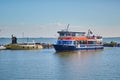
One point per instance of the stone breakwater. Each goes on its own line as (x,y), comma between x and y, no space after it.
(105,44)
(111,44)
(45,45)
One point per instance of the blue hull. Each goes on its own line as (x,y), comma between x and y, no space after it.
(61,48)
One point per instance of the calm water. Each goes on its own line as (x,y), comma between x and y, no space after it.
(46,64)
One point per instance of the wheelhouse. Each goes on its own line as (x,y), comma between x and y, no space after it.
(68,33)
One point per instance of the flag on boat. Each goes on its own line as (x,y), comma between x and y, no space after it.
(90,32)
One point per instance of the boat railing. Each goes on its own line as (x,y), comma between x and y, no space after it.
(94,37)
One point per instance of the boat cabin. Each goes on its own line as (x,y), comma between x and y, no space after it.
(74,38)
(75,42)
(68,33)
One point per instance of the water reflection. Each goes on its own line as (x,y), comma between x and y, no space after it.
(78,53)
(77,63)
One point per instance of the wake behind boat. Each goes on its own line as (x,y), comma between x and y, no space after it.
(71,41)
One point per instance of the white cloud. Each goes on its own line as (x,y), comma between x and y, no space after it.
(50,30)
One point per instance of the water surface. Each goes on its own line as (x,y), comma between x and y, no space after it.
(46,64)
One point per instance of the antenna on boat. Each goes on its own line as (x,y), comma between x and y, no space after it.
(67,27)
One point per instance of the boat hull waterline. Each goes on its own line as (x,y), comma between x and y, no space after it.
(61,48)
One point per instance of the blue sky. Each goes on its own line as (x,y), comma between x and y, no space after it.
(42,18)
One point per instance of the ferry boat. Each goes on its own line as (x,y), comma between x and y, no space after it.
(71,41)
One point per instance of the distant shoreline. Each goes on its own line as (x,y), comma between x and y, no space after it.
(51,37)
(29,37)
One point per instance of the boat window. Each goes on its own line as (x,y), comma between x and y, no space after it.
(64,42)
(73,34)
(64,34)
(81,42)
(91,42)
(79,34)
(59,42)
(61,34)
(84,42)
(67,34)
(75,42)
